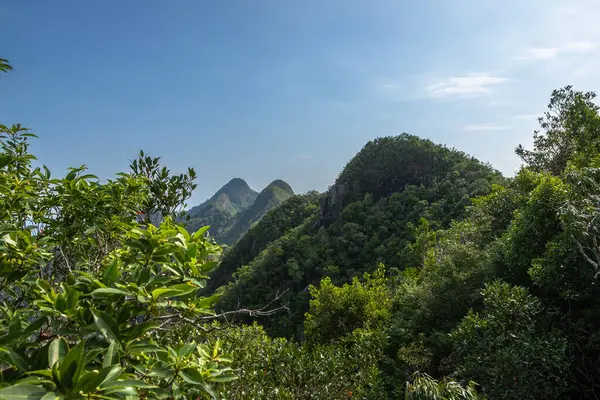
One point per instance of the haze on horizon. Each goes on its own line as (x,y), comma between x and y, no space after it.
(264,90)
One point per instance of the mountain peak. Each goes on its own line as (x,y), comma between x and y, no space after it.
(236,183)
(281,184)
(239,193)
(274,194)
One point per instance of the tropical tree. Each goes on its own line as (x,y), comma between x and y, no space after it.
(571,132)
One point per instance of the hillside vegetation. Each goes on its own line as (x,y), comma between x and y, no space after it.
(449,268)
(371,215)
(421,273)
(290,214)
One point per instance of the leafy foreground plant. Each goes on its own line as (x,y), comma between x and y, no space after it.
(86,291)
(425,387)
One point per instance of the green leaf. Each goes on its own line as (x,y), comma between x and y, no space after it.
(109,292)
(160,371)
(72,299)
(133,383)
(45,287)
(71,175)
(60,303)
(211,391)
(51,396)
(145,348)
(122,392)
(112,355)
(89,231)
(91,355)
(35,326)
(140,329)
(184,288)
(71,366)
(207,267)
(111,273)
(88,382)
(8,240)
(200,232)
(226,377)
(208,302)
(41,372)
(57,350)
(107,325)
(192,376)
(186,349)
(226,358)
(110,374)
(46,172)
(33,380)
(5,159)
(22,392)
(15,358)
(56,375)
(165,292)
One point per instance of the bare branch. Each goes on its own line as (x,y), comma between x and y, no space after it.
(227,316)
(584,254)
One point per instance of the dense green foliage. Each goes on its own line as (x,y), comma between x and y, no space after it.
(86,290)
(421,274)
(270,368)
(166,193)
(367,231)
(490,280)
(337,312)
(290,214)
(570,133)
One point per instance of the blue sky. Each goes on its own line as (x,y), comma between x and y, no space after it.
(285,89)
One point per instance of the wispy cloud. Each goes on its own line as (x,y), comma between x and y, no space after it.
(582,47)
(548,53)
(541,53)
(485,127)
(470,85)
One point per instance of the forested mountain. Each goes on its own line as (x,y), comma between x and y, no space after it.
(290,214)
(466,275)
(421,274)
(369,216)
(234,207)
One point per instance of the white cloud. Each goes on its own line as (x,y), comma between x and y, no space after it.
(547,53)
(485,127)
(534,54)
(582,47)
(470,85)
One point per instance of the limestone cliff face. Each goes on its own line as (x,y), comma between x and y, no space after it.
(332,204)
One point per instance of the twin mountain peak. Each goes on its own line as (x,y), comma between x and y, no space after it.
(235,207)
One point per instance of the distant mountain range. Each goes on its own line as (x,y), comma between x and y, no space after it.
(233,209)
